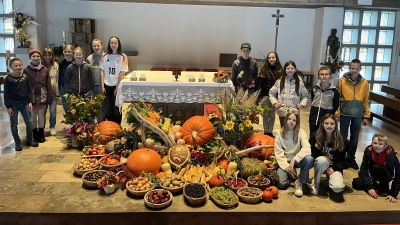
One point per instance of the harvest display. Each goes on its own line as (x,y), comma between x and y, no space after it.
(160,154)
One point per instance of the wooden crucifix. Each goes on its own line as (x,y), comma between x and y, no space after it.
(277,15)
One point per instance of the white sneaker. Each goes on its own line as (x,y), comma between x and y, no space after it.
(53,131)
(298,188)
(314,188)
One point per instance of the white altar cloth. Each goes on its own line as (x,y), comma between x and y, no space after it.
(161,87)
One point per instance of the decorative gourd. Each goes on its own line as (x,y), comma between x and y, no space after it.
(160,175)
(261,139)
(166,168)
(110,145)
(232,168)
(105,131)
(197,130)
(144,159)
(223,163)
(180,142)
(252,166)
(216,181)
(164,159)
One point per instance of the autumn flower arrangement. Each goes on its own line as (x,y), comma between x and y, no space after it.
(221,76)
(335,65)
(82,115)
(239,112)
(109,179)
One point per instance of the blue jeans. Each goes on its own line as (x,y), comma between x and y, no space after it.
(63,99)
(355,126)
(305,165)
(22,107)
(53,112)
(335,179)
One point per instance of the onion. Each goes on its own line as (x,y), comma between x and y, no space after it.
(178,135)
(176,128)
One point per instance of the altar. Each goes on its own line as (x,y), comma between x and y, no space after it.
(179,99)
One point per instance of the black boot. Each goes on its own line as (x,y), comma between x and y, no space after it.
(35,135)
(41,135)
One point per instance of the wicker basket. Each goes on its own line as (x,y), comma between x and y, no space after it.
(195,201)
(248,199)
(226,206)
(233,188)
(262,187)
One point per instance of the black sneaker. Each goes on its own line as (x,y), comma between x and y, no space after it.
(32,143)
(18,147)
(384,189)
(355,166)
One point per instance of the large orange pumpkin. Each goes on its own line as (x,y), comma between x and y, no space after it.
(105,131)
(197,130)
(144,159)
(261,139)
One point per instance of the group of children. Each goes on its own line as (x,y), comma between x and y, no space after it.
(327,149)
(38,86)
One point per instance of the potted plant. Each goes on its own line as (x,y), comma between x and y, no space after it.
(57,51)
(108,182)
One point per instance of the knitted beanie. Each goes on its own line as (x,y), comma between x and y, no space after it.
(34,51)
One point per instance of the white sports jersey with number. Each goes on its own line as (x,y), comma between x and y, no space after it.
(112,65)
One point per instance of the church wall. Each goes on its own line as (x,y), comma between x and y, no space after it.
(188,35)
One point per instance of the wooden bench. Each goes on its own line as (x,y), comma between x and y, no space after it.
(391,105)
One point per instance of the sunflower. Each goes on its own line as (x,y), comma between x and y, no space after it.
(241,127)
(229,125)
(248,123)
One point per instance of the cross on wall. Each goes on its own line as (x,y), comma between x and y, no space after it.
(278,16)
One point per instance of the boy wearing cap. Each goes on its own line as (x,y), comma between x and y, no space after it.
(42,93)
(245,70)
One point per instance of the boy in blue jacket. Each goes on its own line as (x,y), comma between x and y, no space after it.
(380,165)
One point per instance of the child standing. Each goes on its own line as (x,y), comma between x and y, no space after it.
(68,58)
(379,166)
(52,66)
(18,98)
(245,70)
(288,92)
(270,73)
(94,61)
(324,98)
(331,152)
(113,67)
(42,93)
(292,151)
(354,104)
(79,77)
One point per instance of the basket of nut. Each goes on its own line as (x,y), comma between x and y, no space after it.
(173,183)
(85,165)
(139,186)
(250,195)
(258,182)
(90,178)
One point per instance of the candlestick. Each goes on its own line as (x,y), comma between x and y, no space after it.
(202,76)
(142,75)
(133,74)
(64,40)
(191,76)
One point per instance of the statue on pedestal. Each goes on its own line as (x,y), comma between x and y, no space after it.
(333,43)
(19,25)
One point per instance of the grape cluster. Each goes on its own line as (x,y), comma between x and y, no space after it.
(195,190)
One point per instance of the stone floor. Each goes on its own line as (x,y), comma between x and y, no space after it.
(40,181)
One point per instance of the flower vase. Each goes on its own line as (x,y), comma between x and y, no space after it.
(75,143)
(109,189)
(85,142)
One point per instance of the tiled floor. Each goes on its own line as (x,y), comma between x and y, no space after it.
(41,180)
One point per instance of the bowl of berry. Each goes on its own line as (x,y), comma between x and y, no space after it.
(235,183)
(158,198)
(195,194)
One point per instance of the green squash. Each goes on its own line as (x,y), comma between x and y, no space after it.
(252,166)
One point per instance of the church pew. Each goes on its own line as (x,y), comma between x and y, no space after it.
(391,108)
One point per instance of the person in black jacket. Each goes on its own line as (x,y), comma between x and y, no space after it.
(380,165)
(79,75)
(331,152)
(245,70)
(270,73)
(324,98)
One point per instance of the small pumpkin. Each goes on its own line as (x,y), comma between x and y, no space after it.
(160,175)
(223,163)
(216,181)
(261,139)
(252,166)
(144,159)
(197,130)
(274,190)
(105,131)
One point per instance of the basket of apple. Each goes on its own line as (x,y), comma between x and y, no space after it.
(271,163)
(112,160)
(94,150)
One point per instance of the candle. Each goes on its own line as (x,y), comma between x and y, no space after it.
(202,76)
(191,76)
(142,75)
(64,40)
(8,54)
(133,75)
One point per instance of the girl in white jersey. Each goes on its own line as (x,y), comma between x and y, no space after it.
(113,67)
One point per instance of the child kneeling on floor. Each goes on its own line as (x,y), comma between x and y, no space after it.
(380,165)
(292,150)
